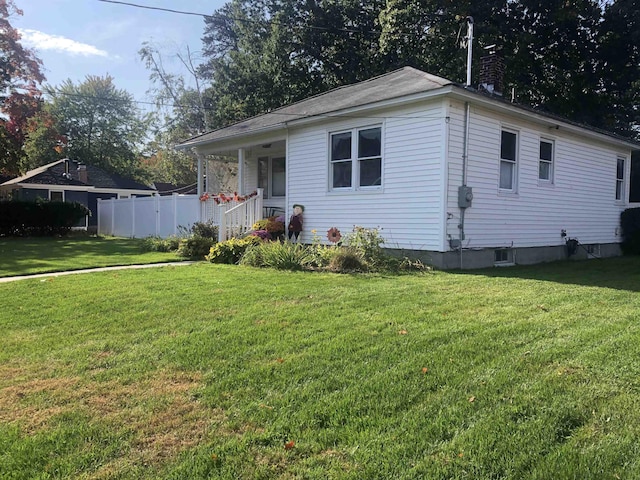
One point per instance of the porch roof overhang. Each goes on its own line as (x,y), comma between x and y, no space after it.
(229,145)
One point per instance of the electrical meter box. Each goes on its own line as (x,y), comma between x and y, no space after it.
(465,196)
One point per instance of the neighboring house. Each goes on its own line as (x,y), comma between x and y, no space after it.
(72,181)
(460,177)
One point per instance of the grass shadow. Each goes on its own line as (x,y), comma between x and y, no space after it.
(19,256)
(620,273)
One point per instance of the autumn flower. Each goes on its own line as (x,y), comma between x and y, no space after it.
(204,197)
(334,235)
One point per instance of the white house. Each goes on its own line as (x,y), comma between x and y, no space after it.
(460,177)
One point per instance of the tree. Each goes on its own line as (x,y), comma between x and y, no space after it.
(19,67)
(20,75)
(101,124)
(576,58)
(181,113)
(620,66)
(19,109)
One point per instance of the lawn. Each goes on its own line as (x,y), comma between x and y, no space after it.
(25,256)
(210,371)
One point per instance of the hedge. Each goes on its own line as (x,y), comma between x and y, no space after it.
(630,223)
(39,218)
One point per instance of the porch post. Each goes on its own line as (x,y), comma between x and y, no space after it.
(241,153)
(200,177)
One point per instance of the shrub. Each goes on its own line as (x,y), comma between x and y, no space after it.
(157,244)
(413,265)
(630,223)
(322,254)
(281,256)
(40,218)
(205,230)
(194,248)
(271,225)
(367,242)
(261,234)
(346,260)
(199,229)
(230,251)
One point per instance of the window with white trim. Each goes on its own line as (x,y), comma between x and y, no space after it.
(508,160)
(356,158)
(620,178)
(56,195)
(545,168)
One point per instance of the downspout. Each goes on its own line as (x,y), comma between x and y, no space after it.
(464,193)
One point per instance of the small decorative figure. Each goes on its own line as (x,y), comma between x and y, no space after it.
(295,222)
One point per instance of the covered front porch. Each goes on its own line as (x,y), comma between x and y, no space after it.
(261,190)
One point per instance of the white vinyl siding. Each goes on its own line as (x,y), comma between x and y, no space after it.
(581,200)
(406,207)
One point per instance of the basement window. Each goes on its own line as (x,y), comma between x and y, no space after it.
(503,256)
(593,249)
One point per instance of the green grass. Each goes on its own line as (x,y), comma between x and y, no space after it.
(25,256)
(209,371)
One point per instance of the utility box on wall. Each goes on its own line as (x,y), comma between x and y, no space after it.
(465,196)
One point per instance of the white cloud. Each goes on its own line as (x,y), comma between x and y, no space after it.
(44,41)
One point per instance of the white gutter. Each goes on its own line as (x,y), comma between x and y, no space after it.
(488,102)
(271,128)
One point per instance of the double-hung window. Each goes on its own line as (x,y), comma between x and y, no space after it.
(356,158)
(508,160)
(620,178)
(545,168)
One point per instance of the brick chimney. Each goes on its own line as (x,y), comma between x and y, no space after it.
(492,71)
(82,173)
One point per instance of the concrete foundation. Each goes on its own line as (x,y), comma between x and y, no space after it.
(487,257)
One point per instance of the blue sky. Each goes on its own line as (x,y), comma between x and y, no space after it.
(76,38)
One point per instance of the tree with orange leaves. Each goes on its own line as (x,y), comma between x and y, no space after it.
(20,98)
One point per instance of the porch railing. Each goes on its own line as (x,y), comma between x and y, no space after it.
(235,217)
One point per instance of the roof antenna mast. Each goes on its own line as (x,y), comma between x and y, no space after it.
(469,48)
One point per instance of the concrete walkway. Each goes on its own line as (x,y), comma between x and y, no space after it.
(91,270)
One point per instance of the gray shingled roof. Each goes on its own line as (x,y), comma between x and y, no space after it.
(52,174)
(396,84)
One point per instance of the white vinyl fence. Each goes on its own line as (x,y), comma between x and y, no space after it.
(147,216)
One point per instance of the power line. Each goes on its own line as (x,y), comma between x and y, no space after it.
(276,112)
(181,12)
(271,21)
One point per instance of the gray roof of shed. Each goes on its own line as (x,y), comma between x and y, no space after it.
(396,84)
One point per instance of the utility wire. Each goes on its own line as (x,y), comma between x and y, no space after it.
(275,112)
(271,21)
